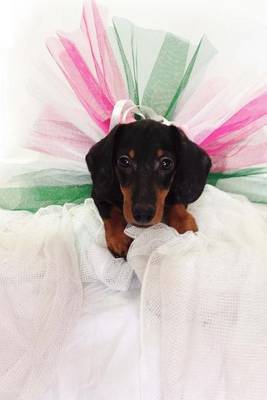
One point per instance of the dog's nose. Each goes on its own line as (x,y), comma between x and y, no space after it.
(143,213)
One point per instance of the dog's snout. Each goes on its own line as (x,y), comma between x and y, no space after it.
(143,214)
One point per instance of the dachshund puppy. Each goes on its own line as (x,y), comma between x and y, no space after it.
(144,173)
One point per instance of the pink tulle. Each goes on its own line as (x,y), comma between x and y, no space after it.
(230,139)
(95,76)
(81,80)
(109,74)
(89,64)
(86,59)
(55,136)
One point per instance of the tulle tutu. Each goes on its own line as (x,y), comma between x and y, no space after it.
(181,83)
(70,323)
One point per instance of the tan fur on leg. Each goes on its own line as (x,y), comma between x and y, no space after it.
(117,242)
(180,219)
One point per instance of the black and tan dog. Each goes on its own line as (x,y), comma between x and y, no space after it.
(144,173)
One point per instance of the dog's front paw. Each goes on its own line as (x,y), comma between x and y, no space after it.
(185,224)
(181,220)
(118,243)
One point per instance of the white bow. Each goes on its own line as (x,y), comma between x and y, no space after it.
(125,110)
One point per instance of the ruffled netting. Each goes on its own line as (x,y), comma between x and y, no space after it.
(203,297)
(204,304)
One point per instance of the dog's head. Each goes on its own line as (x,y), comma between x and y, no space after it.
(149,161)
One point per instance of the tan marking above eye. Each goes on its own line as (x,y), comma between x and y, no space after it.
(132,153)
(160,152)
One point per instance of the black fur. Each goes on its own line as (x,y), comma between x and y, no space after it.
(185,181)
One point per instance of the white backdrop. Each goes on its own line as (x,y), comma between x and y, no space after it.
(234,26)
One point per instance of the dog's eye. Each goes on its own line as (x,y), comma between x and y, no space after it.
(124,162)
(166,163)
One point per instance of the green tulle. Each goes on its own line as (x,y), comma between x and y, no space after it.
(251,183)
(167,64)
(169,68)
(214,177)
(34,198)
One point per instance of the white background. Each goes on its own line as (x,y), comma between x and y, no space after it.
(232,26)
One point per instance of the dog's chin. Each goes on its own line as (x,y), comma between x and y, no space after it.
(157,219)
(131,221)
(142,225)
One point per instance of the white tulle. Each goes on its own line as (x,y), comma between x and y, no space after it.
(204,304)
(40,299)
(71,326)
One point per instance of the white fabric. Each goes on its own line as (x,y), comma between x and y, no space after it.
(101,356)
(204,304)
(44,259)
(40,299)
(202,331)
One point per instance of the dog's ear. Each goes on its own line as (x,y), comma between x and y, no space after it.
(100,160)
(192,169)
